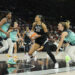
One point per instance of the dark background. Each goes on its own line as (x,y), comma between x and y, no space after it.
(53,10)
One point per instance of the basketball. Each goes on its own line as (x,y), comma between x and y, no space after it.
(32,35)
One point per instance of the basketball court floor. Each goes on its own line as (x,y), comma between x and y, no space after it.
(42,65)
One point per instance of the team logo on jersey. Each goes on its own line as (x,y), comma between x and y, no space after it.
(38,28)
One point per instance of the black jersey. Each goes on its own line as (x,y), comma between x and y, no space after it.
(39,29)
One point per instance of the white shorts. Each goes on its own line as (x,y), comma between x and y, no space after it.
(70,50)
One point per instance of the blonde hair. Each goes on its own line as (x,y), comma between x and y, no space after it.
(66,24)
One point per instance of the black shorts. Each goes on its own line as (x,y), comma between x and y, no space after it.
(1,43)
(72,44)
(49,46)
(40,40)
(14,41)
(3,38)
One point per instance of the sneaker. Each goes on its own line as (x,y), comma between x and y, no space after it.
(27,58)
(11,61)
(67,58)
(34,54)
(35,58)
(56,66)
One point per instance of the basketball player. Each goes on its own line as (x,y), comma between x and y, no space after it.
(68,37)
(14,33)
(4,26)
(42,38)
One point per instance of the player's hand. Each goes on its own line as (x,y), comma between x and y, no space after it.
(37,36)
(38,49)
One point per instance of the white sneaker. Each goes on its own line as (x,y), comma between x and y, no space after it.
(34,54)
(56,66)
(35,58)
(25,57)
(28,58)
